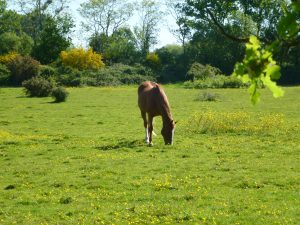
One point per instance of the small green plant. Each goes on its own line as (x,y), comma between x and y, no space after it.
(38,87)
(59,94)
(208,96)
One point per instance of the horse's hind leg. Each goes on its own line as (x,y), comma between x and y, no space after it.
(146,127)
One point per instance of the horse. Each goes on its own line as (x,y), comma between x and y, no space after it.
(153,101)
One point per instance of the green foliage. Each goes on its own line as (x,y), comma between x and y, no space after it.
(198,71)
(258,67)
(173,62)
(11,42)
(114,75)
(23,68)
(59,94)
(120,47)
(47,71)
(52,40)
(37,87)
(219,81)
(4,75)
(10,21)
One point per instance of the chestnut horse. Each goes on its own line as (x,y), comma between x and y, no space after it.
(153,101)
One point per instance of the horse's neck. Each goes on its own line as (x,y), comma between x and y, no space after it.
(165,108)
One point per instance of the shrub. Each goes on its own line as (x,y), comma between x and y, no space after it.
(208,96)
(60,94)
(198,71)
(23,68)
(4,75)
(82,59)
(219,81)
(153,61)
(114,75)
(47,71)
(7,58)
(38,87)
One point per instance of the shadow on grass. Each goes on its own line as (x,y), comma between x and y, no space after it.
(122,144)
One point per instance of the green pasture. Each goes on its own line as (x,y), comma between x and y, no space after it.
(84,161)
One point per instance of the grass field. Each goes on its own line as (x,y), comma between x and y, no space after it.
(84,161)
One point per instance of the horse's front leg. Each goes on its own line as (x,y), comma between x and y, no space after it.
(150,129)
(145,126)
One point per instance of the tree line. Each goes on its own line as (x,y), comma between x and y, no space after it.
(209,32)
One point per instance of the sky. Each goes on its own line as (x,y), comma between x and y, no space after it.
(164,37)
(79,39)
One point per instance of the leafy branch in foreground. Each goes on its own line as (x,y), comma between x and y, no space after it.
(258,65)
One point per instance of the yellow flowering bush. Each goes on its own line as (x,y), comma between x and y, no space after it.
(82,59)
(153,61)
(9,57)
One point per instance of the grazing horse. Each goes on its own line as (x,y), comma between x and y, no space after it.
(153,101)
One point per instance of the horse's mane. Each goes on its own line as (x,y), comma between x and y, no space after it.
(163,99)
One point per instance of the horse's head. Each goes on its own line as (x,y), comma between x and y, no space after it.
(168,132)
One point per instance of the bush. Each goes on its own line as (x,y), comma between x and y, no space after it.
(82,59)
(208,96)
(219,81)
(38,87)
(7,58)
(114,75)
(23,68)
(4,75)
(153,61)
(47,71)
(198,71)
(60,94)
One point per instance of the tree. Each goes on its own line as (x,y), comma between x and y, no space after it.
(182,33)
(11,42)
(266,26)
(105,16)
(3,5)
(37,13)
(146,31)
(51,41)
(172,62)
(120,47)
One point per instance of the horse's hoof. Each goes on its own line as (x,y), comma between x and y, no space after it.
(150,144)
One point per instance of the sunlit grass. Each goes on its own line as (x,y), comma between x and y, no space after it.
(85,162)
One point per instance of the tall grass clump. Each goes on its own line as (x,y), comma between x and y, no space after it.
(234,122)
(207,97)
